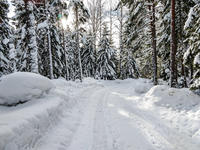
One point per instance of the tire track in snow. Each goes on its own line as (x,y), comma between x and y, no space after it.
(105,138)
(85,136)
(99,131)
(62,134)
(153,129)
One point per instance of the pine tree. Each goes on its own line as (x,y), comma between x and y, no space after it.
(51,55)
(106,58)
(31,37)
(121,19)
(95,22)
(164,37)
(173,77)
(129,68)
(152,12)
(27,48)
(7,49)
(88,57)
(111,22)
(81,15)
(192,55)
(71,55)
(12,52)
(163,42)
(138,29)
(20,32)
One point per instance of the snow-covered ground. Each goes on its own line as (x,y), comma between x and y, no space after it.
(104,115)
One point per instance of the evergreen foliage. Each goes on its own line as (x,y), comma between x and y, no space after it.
(88,57)
(7,49)
(106,58)
(192,55)
(37,39)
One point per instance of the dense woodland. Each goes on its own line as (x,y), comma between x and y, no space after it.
(158,39)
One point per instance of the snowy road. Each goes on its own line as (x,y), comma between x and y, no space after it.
(110,117)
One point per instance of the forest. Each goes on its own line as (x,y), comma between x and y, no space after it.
(73,39)
(99,74)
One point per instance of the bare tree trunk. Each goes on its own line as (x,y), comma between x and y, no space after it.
(153,36)
(77,42)
(65,54)
(93,7)
(32,41)
(182,47)
(100,19)
(173,77)
(191,71)
(50,55)
(111,21)
(121,39)
(49,45)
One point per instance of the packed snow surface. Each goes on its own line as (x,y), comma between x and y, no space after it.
(104,115)
(22,86)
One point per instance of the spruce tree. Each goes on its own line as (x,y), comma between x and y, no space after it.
(7,49)
(88,57)
(31,37)
(192,55)
(173,71)
(26,47)
(71,55)
(81,15)
(137,26)
(152,14)
(106,68)
(129,66)
(163,42)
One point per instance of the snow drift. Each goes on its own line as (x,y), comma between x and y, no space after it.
(23,126)
(179,107)
(177,99)
(22,86)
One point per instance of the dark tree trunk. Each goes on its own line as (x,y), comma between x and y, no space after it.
(173,77)
(153,36)
(191,71)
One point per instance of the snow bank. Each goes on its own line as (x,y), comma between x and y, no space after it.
(179,107)
(142,86)
(22,86)
(23,126)
(180,99)
(87,82)
(138,86)
(92,82)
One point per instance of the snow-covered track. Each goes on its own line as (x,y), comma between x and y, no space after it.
(22,126)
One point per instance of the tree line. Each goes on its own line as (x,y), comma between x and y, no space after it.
(158,39)
(165,39)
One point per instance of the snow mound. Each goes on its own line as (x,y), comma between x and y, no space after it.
(91,82)
(136,86)
(142,86)
(178,99)
(22,86)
